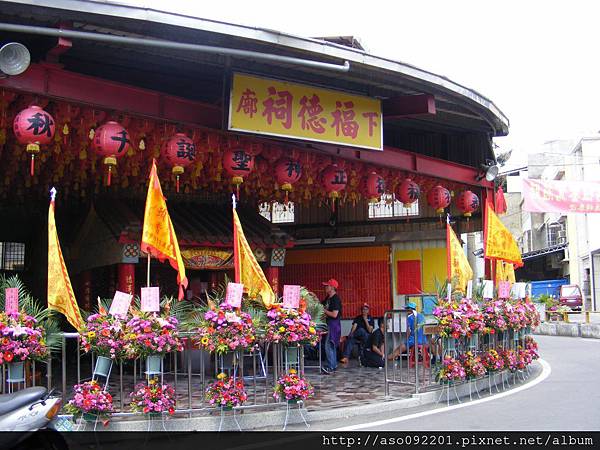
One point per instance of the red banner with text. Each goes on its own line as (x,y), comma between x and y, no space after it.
(561,196)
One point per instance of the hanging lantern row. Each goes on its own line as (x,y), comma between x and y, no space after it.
(305,174)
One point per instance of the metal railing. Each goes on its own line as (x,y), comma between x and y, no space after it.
(419,373)
(188,371)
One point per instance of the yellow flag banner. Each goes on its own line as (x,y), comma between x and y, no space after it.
(457,264)
(158,234)
(505,272)
(247,270)
(498,242)
(60,292)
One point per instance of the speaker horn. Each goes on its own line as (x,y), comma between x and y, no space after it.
(14,58)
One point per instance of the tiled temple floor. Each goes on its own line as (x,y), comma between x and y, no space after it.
(351,385)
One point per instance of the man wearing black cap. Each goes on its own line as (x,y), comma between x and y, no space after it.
(362,327)
(333,311)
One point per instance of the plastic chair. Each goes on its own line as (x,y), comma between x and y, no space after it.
(424,350)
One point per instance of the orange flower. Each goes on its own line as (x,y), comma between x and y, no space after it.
(105,332)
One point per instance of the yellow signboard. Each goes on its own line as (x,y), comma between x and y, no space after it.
(279,108)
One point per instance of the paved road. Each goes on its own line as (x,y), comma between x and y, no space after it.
(569,399)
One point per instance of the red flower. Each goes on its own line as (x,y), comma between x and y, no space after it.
(8,356)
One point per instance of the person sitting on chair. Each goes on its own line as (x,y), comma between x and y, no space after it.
(375,351)
(410,321)
(362,327)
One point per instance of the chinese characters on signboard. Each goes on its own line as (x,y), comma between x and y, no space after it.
(277,108)
(120,304)
(291,296)
(11,300)
(150,299)
(561,196)
(233,295)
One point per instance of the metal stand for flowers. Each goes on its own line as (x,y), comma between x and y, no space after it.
(154,366)
(471,382)
(102,368)
(152,416)
(446,387)
(15,375)
(291,358)
(300,404)
(223,409)
(86,418)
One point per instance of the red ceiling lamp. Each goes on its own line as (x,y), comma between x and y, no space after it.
(34,127)
(179,152)
(335,180)
(374,187)
(238,163)
(111,141)
(439,198)
(467,203)
(408,192)
(288,172)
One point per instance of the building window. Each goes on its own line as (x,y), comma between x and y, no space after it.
(555,234)
(527,242)
(388,207)
(12,256)
(277,212)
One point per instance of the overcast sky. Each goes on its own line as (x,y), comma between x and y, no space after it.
(537,60)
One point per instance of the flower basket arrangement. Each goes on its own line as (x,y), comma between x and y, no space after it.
(451,371)
(104,335)
(152,398)
(493,317)
(492,361)
(226,392)
(532,346)
(459,318)
(21,338)
(225,329)
(473,366)
(511,361)
(150,334)
(91,401)
(292,387)
(532,314)
(289,326)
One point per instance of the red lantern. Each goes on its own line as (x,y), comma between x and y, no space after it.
(408,192)
(288,172)
(34,127)
(179,152)
(439,198)
(111,141)
(334,181)
(467,202)
(238,163)
(374,187)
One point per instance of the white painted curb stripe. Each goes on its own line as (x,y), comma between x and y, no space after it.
(546,371)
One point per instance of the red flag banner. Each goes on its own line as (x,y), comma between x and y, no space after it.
(561,196)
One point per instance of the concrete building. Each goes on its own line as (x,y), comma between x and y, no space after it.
(558,245)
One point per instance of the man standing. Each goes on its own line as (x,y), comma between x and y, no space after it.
(333,311)
(362,327)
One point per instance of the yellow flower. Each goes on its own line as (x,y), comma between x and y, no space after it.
(92,334)
(292,371)
(281,329)
(152,381)
(221,376)
(311,330)
(204,340)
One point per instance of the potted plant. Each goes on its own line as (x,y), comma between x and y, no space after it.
(226,392)
(104,335)
(290,327)
(292,388)
(451,371)
(473,366)
(225,329)
(153,398)
(21,339)
(151,336)
(492,361)
(90,401)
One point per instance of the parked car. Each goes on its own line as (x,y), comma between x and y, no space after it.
(570,295)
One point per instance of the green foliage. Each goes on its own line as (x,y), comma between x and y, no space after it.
(33,307)
(547,300)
